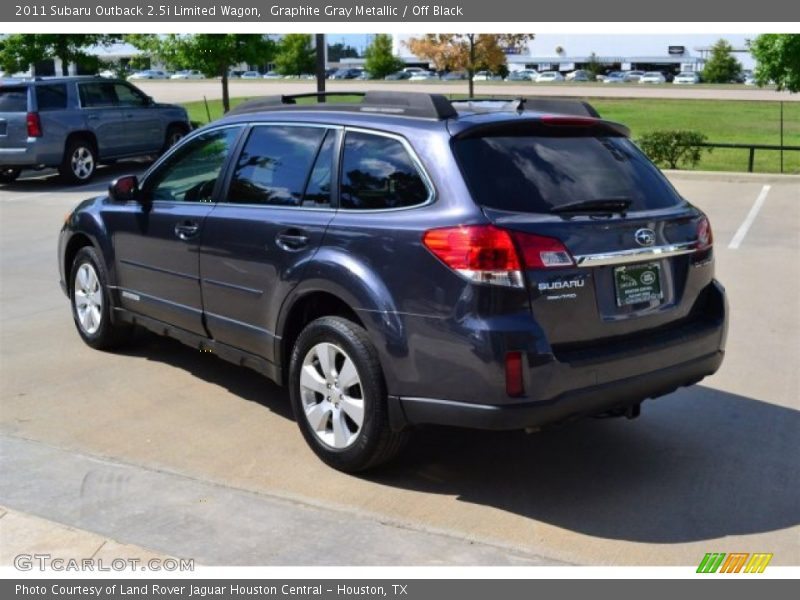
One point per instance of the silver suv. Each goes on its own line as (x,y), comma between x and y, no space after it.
(74,123)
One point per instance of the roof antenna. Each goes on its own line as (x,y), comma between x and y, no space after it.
(521,104)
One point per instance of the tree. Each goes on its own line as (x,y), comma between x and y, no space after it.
(721,66)
(20,50)
(338,51)
(469,52)
(673,148)
(380,60)
(593,66)
(778,60)
(212,53)
(295,55)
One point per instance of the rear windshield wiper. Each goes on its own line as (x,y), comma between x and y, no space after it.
(600,205)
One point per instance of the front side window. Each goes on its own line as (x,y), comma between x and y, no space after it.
(378,173)
(190,173)
(97,95)
(275,165)
(129,96)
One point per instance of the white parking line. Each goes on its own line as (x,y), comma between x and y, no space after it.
(748,221)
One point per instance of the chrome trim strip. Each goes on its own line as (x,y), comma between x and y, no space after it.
(634,255)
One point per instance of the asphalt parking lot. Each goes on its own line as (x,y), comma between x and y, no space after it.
(181,453)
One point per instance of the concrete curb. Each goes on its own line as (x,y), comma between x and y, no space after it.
(732,177)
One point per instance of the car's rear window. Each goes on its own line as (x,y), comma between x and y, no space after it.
(539,173)
(13,99)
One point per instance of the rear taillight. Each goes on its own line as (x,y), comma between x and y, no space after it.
(540,252)
(34,124)
(705,239)
(488,254)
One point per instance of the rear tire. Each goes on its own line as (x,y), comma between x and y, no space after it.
(80,162)
(91,306)
(338,396)
(175,133)
(9,174)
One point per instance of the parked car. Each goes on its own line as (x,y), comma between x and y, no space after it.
(350,73)
(523,75)
(398,76)
(106,74)
(251,75)
(686,78)
(188,74)
(750,80)
(539,272)
(235,74)
(549,77)
(579,76)
(272,75)
(423,76)
(615,77)
(74,123)
(652,77)
(364,76)
(455,76)
(148,74)
(633,76)
(486,76)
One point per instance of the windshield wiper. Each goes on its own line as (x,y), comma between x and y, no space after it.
(600,205)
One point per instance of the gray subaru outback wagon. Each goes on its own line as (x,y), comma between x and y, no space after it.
(74,123)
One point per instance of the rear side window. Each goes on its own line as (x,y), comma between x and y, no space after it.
(378,173)
(275,164)
(538,173)
(13,99)
(51,97)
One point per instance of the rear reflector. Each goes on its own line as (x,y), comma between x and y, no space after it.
(488,254)
(34,124)
(515,385)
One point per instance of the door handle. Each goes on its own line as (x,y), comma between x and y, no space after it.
(292,239)
(186,230)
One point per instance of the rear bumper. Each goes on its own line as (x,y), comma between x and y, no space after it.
(28,155)
(567,406)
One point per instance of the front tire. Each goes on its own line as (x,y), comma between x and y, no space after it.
(91,308)
(339,397)
(80,162)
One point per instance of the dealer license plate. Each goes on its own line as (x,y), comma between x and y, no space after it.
(635,284)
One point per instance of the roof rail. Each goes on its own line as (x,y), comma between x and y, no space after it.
(415,104)
(410,104)
(564,106)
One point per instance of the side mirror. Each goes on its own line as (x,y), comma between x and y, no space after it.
(148,101)
(124,189)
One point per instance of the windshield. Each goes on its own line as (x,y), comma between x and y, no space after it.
(540,173)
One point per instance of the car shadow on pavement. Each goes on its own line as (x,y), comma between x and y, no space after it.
(239,381)
(698,464)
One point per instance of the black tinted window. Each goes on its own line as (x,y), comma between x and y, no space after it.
(13,99)
(274,165)
(318,190)
(537,174)
(128,96)
(94,95)
(377,172)
(190,173)
(51,97)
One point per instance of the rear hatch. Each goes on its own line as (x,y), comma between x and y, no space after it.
(611,250)
(13,115)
